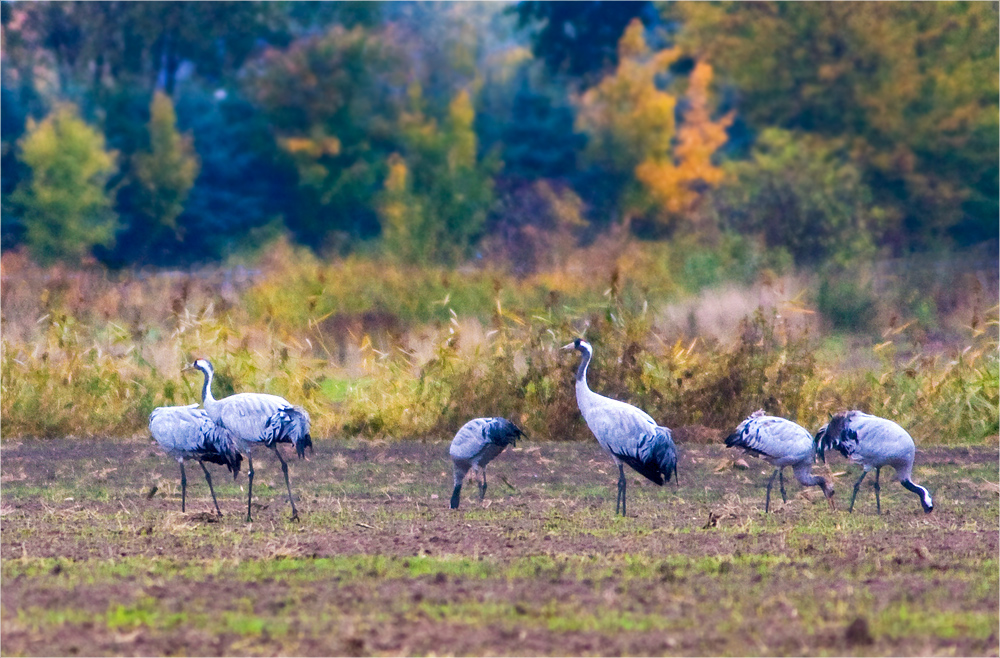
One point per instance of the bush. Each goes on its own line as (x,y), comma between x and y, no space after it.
(802,194)
(847,302)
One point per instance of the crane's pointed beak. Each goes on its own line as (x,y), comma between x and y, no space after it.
(571,346)
(833,505)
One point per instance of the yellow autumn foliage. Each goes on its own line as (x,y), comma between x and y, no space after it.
(627,117)
(632,125)
(674,182)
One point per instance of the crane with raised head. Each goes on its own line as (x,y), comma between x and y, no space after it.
(187,432)
(875,443)
(475,445)
(627,433)
(257,419)
(781,443)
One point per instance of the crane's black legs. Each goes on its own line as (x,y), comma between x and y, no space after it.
(456,496)
(284,469)
(878,503)
(767,499)
(184,484)
(482,485)
(249,484)
(620,503)
(781,483)
(857,485)
(208,478)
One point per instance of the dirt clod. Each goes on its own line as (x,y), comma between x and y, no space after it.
(858,634)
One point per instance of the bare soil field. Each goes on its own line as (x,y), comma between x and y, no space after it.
(97,558)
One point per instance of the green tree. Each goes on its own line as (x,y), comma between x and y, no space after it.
(436,197)
(166,172)
(334,102)
(632,124)
(65,206)
(802,194)
(911,87)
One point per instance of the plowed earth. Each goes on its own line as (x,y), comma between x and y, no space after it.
(95,562)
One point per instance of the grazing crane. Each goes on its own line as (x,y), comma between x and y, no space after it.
(629,434)
(780,443)
(475,445)
(257,419)
(188,433)
(872,442)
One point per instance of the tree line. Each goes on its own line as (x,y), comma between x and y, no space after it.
(174,132)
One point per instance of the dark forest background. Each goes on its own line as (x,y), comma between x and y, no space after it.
(174,133)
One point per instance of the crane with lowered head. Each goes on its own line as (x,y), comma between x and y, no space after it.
(781,443)
(475,445)
(872,442)
(187,432)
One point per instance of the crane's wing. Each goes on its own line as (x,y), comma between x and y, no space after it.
(189,431)
(246,414)
(176,428)
(770,436)
(470,439)
(618,425)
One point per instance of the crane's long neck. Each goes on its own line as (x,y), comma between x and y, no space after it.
(206,390)
(582,390)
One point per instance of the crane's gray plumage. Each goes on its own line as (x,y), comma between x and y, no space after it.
(257,419)
(627,433)
(872,442)
(780,443)
(188,433)
(475,445)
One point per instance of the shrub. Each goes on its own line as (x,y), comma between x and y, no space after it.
(847,302)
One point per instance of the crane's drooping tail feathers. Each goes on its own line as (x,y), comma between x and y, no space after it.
(834,434)
(655,457)
(224,449)
(289,425)
(502,432)
(742,439)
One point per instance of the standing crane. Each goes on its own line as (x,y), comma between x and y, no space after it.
(780,443)
(188,433)
(475,445)
(257,419)
(627,433)
(872,442)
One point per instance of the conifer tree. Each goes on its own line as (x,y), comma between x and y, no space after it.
(167,171)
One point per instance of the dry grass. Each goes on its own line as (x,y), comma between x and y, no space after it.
(382,350)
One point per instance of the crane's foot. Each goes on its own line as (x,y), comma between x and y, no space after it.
(294,517)
(249,520)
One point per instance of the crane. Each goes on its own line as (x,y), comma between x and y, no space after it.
(872,442)
(257,419)
(627,433)
(475,445)
(187,432)
(781,443)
